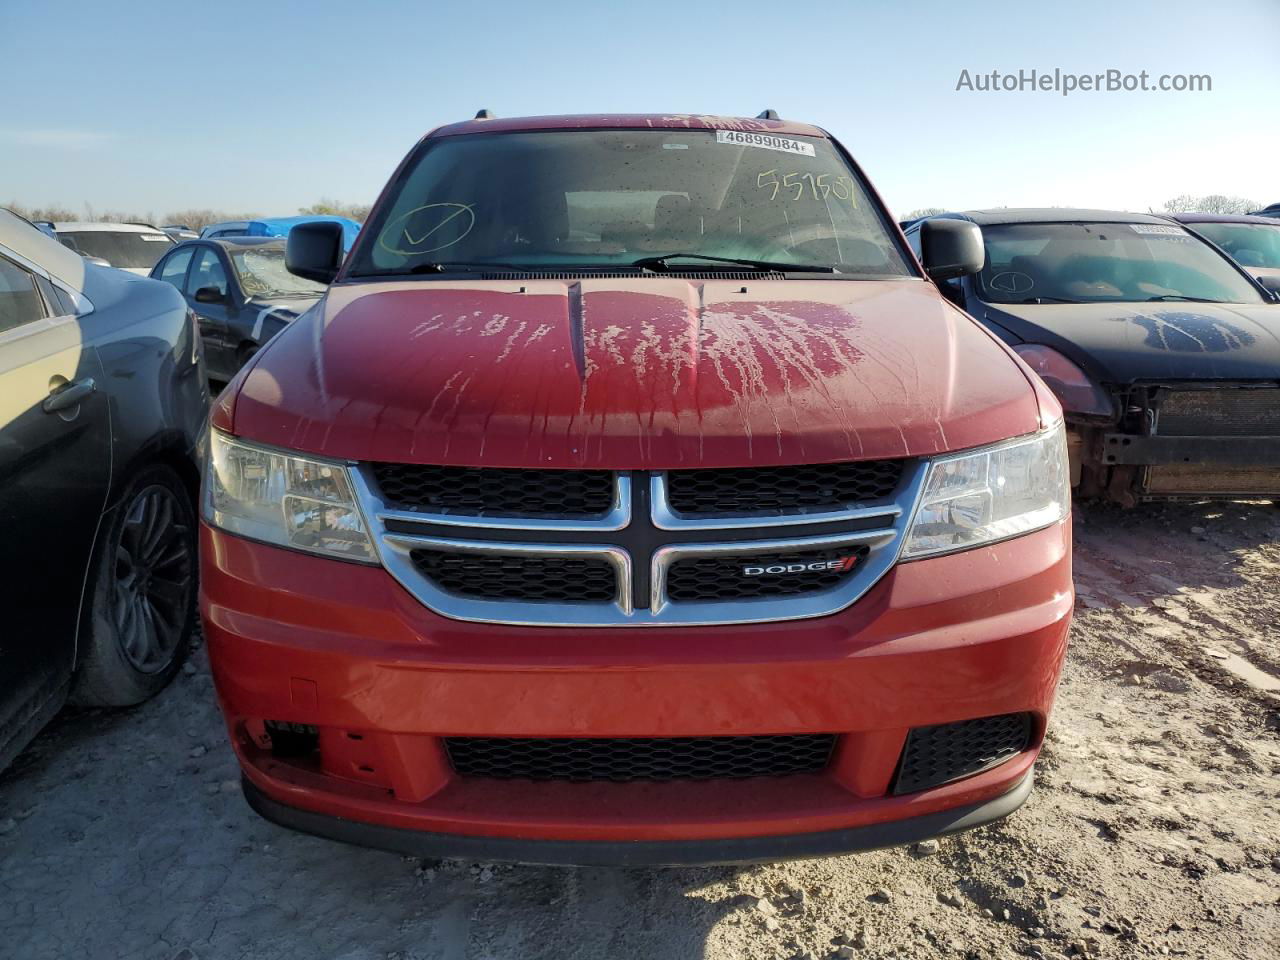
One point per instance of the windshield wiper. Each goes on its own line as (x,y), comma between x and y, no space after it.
(440,267)
(662,263)
(1050,300)
(1177,296)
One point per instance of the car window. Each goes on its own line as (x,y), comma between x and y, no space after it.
(262,273)
(913,241)
(600,198)
(120,249)
(1105,262)
(207,272)
(1250,244)
(174,270)
(19,301)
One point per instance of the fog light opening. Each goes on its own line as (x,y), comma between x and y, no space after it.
(292,740)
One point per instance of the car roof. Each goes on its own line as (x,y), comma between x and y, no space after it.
(1223,218)
(84,226)
(1050,215)
(41,249)
(629,121)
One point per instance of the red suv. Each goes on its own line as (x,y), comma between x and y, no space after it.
(632,496)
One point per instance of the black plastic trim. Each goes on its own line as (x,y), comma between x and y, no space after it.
(647,853)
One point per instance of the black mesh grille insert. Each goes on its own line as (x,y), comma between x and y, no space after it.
(937,755)
(761,575)
(517,577)
(622,760)
(758,489)
(495,491)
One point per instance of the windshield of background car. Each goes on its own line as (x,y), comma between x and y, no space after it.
(262,274)
(1104,263)
(1248,244)
(122,249)
(610,197)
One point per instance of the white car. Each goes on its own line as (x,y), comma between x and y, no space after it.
(134,247)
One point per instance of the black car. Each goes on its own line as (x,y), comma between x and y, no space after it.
(1164,353)
(102,401)
(241,292)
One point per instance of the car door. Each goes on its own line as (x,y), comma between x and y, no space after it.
(55,461)
(207,273)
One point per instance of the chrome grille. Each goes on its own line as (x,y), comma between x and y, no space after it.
(641,561)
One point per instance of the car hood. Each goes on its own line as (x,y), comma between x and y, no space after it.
(1125,342)
(633,373)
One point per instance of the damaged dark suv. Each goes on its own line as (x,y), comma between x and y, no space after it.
(1164,353)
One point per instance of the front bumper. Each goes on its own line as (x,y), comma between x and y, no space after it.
(641,853)
(304,640)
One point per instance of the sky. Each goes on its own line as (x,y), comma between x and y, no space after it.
(267,106)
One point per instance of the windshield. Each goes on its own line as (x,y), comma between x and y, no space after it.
(606,198)
(262,274)
(1105,262)
(120,249)
(1249,244)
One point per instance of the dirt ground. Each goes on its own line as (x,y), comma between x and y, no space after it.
(1154,829)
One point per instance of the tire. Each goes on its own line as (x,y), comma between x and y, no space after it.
(141,594)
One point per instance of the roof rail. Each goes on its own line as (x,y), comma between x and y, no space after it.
(484,114)
(768,115)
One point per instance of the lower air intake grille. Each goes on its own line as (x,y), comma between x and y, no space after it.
(518,577)
(495,491)
(623,760)
(761,575)
(937,755)
(827,486)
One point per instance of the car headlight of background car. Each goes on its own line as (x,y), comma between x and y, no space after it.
(284,499)
(992,494)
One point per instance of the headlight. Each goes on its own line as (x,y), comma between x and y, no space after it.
(992,494)
(284,499)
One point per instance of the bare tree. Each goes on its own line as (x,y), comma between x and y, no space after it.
(924,212)
(196,218)
(333,208)
(1212,203)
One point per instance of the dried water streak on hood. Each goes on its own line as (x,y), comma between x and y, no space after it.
(630,374)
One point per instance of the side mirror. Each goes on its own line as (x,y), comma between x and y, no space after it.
(951,248)
(209,295)
(314,251)
(1270,283)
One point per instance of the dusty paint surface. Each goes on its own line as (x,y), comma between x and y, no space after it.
(624,374)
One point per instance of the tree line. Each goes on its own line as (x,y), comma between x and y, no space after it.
(196,219)
(1183,203)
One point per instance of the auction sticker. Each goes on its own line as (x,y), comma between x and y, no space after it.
(743,138)
(1159,231)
